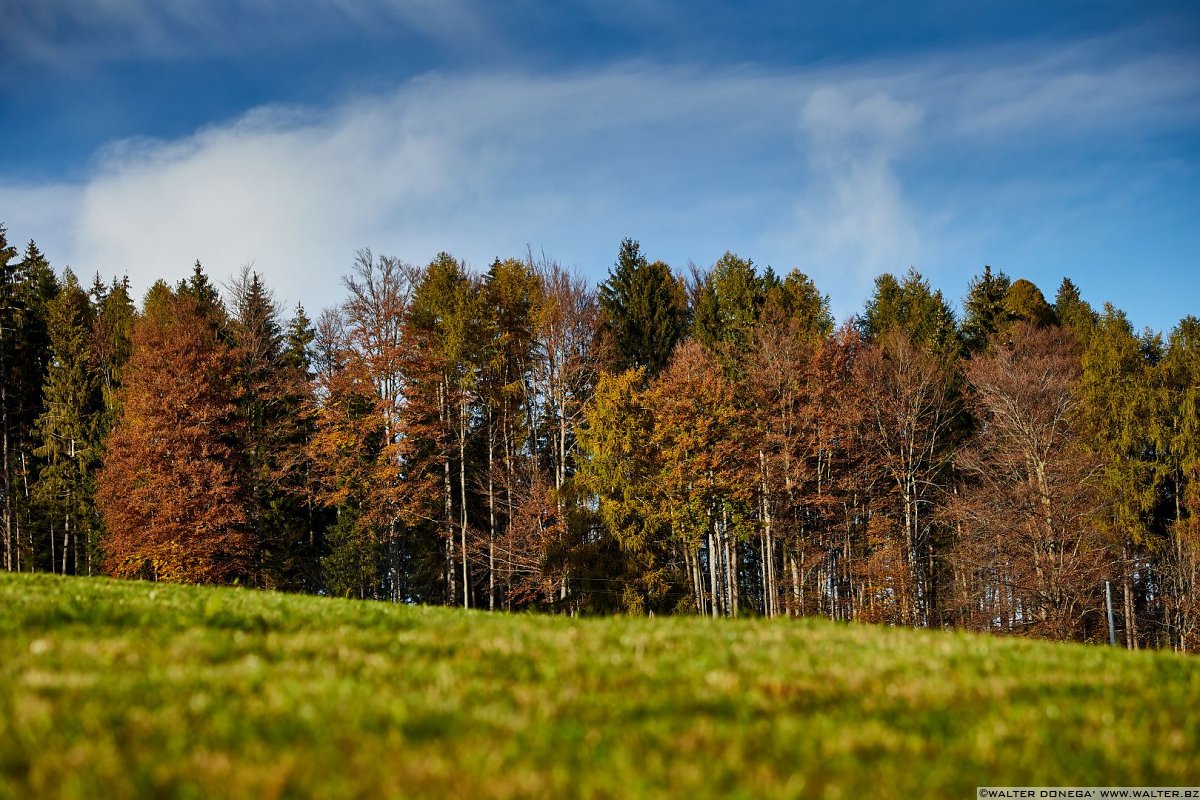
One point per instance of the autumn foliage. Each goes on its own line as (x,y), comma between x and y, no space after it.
(714,445)
(168,492)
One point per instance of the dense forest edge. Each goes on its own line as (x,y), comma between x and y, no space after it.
(708,444)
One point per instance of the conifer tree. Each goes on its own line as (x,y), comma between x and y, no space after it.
(111,342)
(67,433)
(644,311)
(26,290)
(1072,311)
(1118,411)
(11,319)
(911,306)
(984,311)
(728,307)
(796,300)
(271,434)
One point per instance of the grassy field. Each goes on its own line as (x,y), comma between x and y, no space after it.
(112,689)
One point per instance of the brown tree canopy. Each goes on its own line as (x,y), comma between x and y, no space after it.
(168,491)
(1027,552)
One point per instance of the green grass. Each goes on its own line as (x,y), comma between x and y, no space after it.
(111,689)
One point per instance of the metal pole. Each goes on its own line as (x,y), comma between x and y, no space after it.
(1112,628)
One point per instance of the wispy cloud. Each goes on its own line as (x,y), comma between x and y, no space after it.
(55,32)
(854,210)
(808,167)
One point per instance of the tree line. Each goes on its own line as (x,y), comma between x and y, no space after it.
(709,443)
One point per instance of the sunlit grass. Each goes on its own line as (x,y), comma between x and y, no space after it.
(112,689)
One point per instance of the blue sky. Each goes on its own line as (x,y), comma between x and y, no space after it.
(841,138)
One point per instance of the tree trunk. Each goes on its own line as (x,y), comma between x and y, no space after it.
(731,560)
(448,497)
(797,597)
(1131,634)
(6,472)
(66,541)
(491,521)
(462,495)
(712,575)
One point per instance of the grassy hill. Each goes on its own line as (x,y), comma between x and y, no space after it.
(112,689)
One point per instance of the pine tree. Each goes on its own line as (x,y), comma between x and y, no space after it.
(1074,313)
(984,312)
(728,307)
(67,432)
(911,306)
(644,311)
(11,318)
(272,429)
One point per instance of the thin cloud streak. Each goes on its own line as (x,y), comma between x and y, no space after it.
(66,32)
(483,165)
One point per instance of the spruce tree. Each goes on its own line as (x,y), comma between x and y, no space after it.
(644,311)
(984,311)
(911,306)
(1074,313)
(10,342)
(728,307)
(26,290)
(271,434)
(68,445)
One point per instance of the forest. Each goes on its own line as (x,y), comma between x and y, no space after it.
(707,443)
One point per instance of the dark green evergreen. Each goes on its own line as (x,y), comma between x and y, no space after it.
(984,311)
(728,307)
(644,311)
(273,429)
(1072,311)
(910,305)
(68,435)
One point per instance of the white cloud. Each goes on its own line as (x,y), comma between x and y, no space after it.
(855,211)
(478,165)
(803,168)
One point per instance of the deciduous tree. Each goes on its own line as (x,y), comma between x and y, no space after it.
(169,493)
